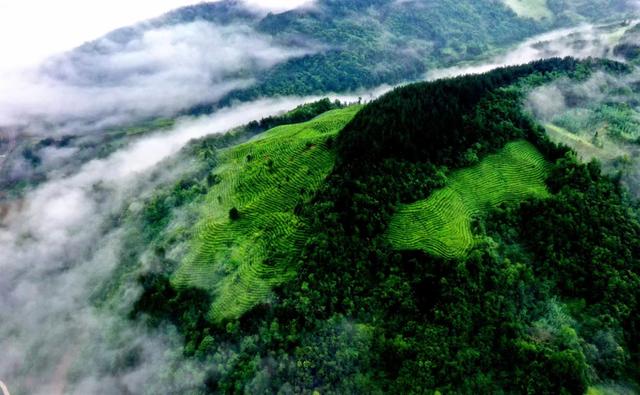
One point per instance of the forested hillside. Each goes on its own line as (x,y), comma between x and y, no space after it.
(369,43)
(362,44)
(545,299)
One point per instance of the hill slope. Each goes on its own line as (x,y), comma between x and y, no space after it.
(544,301)
(267,180)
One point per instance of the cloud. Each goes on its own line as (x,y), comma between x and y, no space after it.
(597,118)
(546,102)
(278,5)
(46,28)
(579,42)
(158,71)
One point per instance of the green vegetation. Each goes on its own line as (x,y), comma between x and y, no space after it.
(610,390)
(152,125)
(546,301)
(569,11)
(151,228)
(628,47)
(441,224)
(251,227)
(535,9)
(374,42)
(291,261)
(616,121)
(600,120)
(586,148)
(382,41)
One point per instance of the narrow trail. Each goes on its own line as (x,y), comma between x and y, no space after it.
(5,390)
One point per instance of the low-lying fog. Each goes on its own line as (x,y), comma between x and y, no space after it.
(579,42)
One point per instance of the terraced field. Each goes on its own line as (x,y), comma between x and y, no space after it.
(240,260)
(441,224)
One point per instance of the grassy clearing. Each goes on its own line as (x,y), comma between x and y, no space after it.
(441,224)
(535,9)
(605,151)
(617,121)
(240,260)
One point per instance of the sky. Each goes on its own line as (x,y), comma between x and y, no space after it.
(31,30)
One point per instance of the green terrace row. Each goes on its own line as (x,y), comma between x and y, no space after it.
(441,224)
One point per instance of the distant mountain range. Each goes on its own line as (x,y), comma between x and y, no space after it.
(365,43)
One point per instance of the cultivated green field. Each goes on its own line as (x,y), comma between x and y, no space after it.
(441,224)
(239,261)
(610,389)
(535,9)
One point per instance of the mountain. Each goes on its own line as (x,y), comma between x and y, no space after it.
(188,224)
(453,247)
(357,44)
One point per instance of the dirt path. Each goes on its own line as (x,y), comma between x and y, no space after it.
(59,382)
(5,390)
(11,145)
